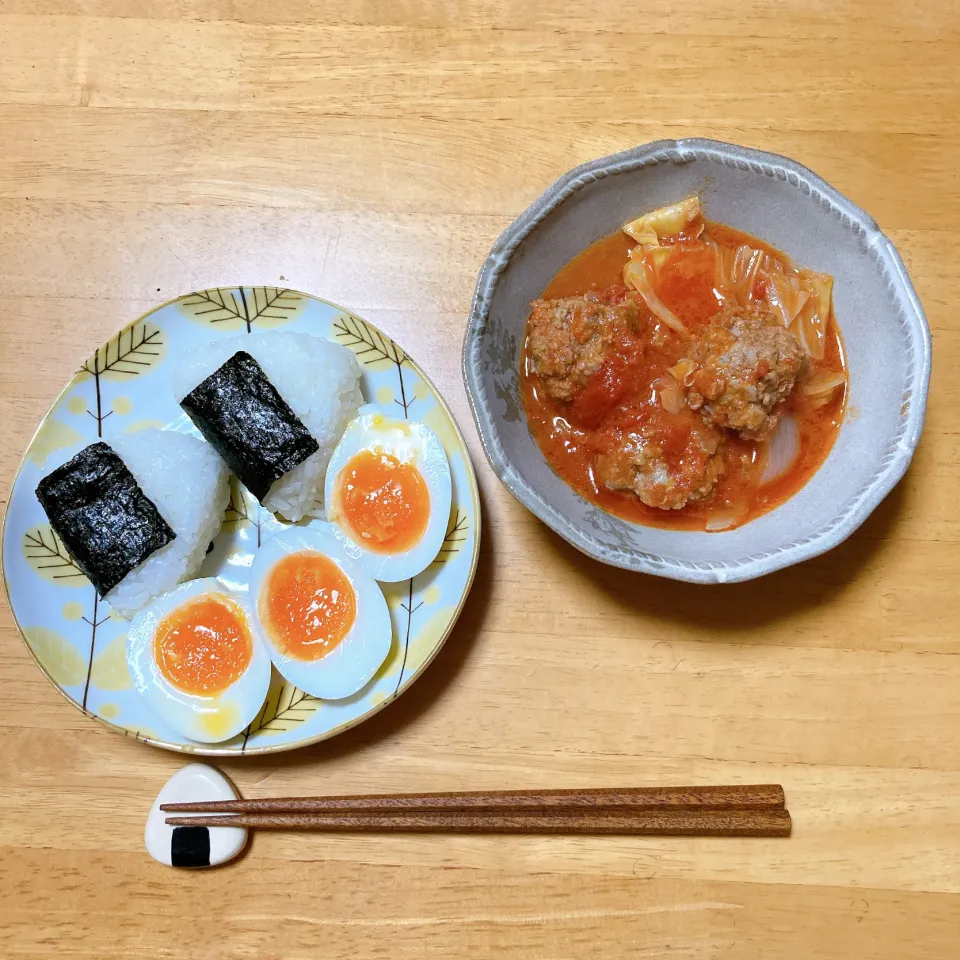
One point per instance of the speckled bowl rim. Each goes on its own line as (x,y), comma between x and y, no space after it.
(912,320)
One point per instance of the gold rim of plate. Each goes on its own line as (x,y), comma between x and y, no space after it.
(216,750)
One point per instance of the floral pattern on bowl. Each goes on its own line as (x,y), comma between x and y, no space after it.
(885,332)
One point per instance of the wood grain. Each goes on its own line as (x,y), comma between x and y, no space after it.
(370,152)
(639,823)
(753,796)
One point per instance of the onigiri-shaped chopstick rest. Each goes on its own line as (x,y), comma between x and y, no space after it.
(193,846)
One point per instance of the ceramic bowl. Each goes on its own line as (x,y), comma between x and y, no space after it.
(884,329)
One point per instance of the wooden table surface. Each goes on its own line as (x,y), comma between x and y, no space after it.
(370,151)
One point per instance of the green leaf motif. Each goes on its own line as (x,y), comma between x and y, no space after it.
(59,659)
(372,348)
(135,350)
(286,707)
(456,536)
(47,556)
(240,308)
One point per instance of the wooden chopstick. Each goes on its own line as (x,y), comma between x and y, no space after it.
(744,797)
(716,822)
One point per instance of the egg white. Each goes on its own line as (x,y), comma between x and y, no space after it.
(205,718)
(351,664)
(409,441)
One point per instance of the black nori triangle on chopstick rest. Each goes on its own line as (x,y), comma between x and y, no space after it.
(193,846)
(249,424)
(190,847)
(107,523)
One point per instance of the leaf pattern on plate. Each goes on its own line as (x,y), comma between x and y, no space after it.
(52,436)
(368,343)
(109,670)
(374,350)
(425,642)
(134,351)
(390,667)
(437,419)
(240,308)
(47,556)
(286,706)
(409,604)
(457,533)
(58,657)
(83,654)
(243,507)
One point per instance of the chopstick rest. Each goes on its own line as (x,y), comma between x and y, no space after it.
(736,810)
(193,846)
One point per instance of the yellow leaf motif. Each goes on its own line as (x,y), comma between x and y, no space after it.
(148,424)
(135,350)
(391,666)
(51,436)
(110,667)
(373,348)
(426,640)
(46,554)
(56,655)
(385,397)
(242,308)
(395,592)
(458,530)
(438,420)
(286,707)
(72,610)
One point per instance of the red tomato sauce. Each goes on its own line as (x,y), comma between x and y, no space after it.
(571,436)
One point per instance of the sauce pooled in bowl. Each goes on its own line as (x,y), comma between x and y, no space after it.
(682,374)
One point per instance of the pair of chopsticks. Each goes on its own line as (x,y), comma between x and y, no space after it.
(715,811)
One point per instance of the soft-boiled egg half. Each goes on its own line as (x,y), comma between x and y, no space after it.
(196,659)
(324,619)
(388,489)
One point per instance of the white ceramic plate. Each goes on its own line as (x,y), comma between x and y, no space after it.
(79,642)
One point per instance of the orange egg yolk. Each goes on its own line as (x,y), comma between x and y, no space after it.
(203,646)
(307,605)
(385,502)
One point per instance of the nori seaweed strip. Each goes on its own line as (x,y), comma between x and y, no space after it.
(107,523)
(249,424)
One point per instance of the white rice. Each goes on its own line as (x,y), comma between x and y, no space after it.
(188,483)
(320,381)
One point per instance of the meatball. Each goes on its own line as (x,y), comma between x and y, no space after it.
(666,472)
(744,364)
(569,339)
